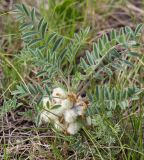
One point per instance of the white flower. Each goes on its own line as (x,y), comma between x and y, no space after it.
(66,104)
(79,110)
(46,117)
(43,118)
(80,107)
(58,111)
(45,101)
(69,108)
(73,128)
(58,95)
(53,114)
(70,115)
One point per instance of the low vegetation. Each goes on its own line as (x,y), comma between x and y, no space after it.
(70,88)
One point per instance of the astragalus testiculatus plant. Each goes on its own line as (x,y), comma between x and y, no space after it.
(101,70)
(64,110)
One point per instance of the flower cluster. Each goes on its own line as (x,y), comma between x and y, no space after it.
(64,110)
